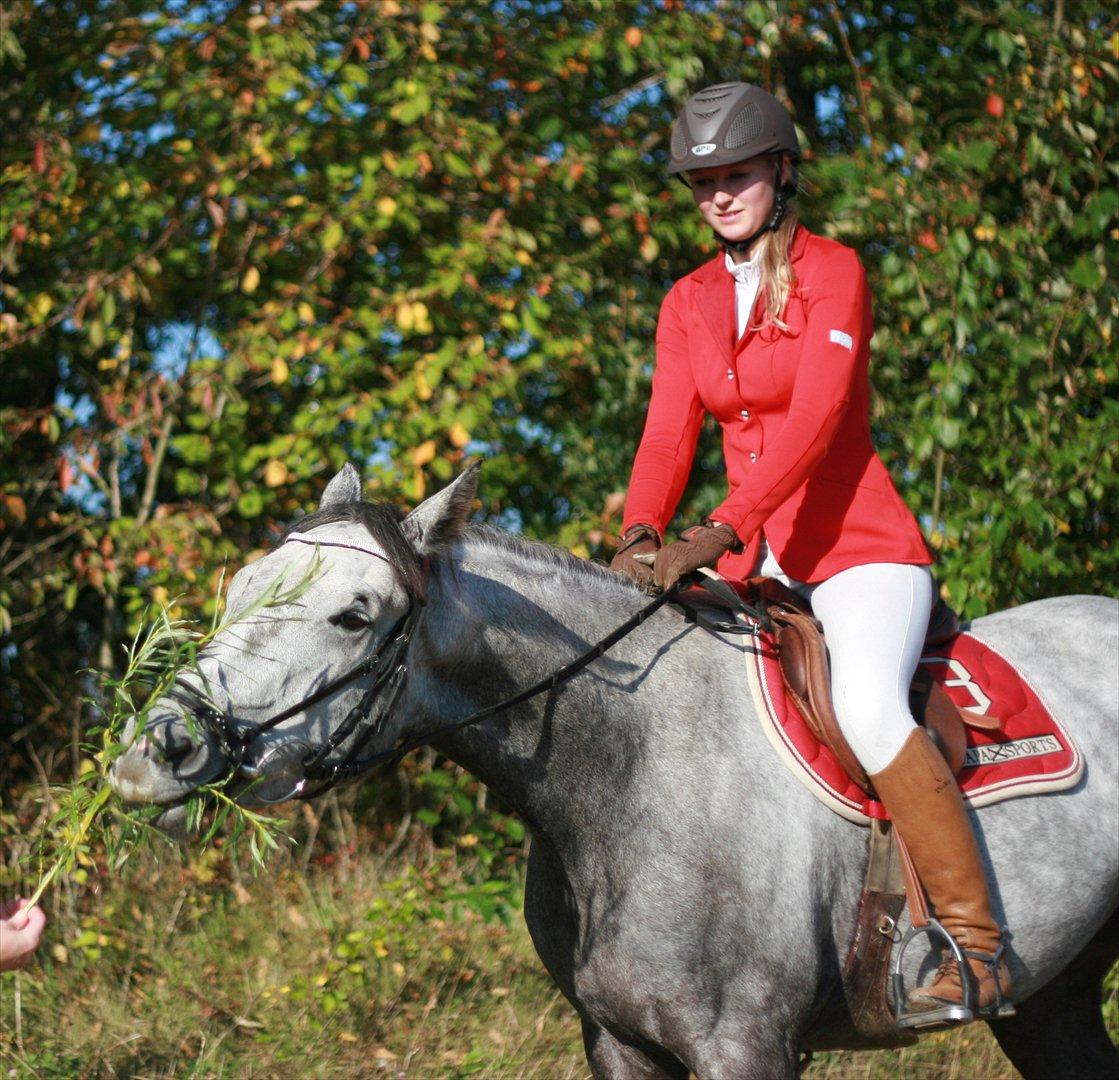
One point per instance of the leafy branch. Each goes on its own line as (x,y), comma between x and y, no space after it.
(90,816)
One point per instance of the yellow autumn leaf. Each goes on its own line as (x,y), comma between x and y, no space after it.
(160,595)
(275,473)
(458,435)
(524,258)
(423,453)
(280,371)
(306,312)
(386,206)
(650,249)
(405,317)
(423,387)
(250,281)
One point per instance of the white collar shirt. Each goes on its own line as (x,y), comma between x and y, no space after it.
(747,277)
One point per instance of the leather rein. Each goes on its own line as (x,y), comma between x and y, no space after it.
(387,663)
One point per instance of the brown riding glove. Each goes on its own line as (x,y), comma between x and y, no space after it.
(636,540)
(701,545)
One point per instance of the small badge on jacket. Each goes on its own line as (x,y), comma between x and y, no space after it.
(840,338)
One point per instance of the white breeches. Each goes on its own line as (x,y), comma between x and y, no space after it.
(875,618)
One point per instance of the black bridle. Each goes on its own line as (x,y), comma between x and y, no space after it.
(235,738)
(387,664)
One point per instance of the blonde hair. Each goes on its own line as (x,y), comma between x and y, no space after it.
(778,279)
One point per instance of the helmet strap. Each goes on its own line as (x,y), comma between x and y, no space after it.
(780,209)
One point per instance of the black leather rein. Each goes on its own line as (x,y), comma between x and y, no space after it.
(388,666)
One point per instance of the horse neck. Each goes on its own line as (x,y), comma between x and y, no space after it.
(501,619)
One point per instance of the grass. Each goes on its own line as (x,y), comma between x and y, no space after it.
(336,966)
(187,971)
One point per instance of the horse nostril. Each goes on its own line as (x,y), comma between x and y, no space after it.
(175,746)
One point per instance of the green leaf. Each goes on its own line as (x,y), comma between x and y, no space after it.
(250,504)
(411,109)
(1087,272)
(332,237)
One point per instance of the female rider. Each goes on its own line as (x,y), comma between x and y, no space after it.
(772,337)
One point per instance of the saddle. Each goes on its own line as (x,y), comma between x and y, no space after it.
(803,656)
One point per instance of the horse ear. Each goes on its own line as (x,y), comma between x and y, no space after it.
(345,487)
(434,525)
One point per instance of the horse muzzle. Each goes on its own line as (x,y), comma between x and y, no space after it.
(165,763)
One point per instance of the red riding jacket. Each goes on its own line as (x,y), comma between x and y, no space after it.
(794,412)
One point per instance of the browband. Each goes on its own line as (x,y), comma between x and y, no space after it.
(333,541)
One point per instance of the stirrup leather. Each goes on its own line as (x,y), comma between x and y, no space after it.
(950,1013)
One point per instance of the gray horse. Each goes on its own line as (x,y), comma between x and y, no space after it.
(692,900)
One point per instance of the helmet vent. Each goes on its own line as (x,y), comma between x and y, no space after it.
(707,115)
(748,126)
(708,98)
(679,147)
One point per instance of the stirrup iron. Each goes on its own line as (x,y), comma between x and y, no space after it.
(951,1013)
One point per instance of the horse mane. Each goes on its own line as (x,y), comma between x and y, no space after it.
(382,522)
(537,551)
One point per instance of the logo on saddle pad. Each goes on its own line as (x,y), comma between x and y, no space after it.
(981,702)
(997,753)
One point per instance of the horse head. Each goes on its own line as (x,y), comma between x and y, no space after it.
(301,686)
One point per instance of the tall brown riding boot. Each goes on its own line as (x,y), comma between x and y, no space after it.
(924,802)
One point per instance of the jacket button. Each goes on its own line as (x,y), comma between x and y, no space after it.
(730,373)
(753,456)
(745,414)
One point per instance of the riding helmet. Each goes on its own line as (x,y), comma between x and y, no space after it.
(727,123)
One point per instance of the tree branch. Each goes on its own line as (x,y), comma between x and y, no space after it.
(864,110)
(95,281)
(152,479)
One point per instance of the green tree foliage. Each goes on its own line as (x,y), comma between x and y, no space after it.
(245,242)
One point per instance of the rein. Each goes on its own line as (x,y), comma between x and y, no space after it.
(388,664)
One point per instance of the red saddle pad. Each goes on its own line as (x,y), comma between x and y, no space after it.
(1031,753)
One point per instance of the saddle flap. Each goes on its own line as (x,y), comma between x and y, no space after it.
(804,667)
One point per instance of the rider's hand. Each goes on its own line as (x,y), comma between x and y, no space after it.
(636,540)
(20,929)
(701,545)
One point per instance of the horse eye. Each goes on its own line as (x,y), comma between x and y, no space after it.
(352,620)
